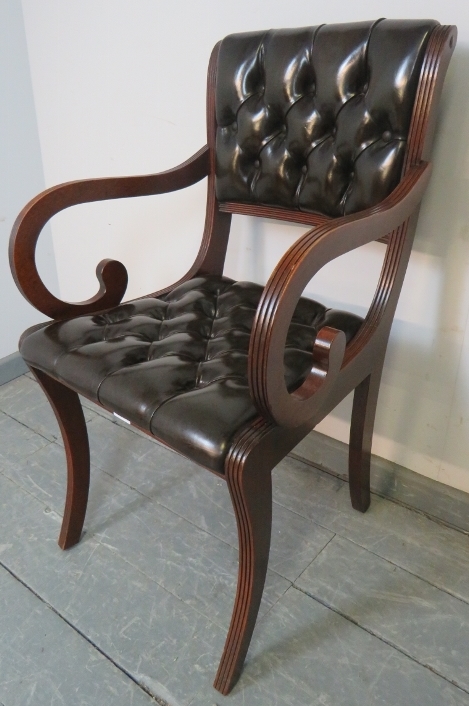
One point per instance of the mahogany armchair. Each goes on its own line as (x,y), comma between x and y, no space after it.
(327,126)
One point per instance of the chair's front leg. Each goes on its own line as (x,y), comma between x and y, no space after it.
(68,410)
(365,399)
(251,493)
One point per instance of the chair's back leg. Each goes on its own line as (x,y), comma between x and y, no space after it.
(67,407)
(361,435)
(251,493)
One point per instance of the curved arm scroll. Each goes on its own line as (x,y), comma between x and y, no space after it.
(111,274)
(285,287)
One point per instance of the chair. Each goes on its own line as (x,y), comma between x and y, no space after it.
(327,126)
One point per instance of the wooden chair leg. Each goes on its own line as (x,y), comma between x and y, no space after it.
(251,494)
(68,410)
(361,434)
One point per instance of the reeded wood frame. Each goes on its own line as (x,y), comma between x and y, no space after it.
(284,418)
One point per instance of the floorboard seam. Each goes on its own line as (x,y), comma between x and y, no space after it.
(407,571)
(155,698)
(10,416)
(215,536)
(305,517)
(204,529)
(109,548)
(96,537)
(396,501)
(176,514)
(313,560)
(379,637)
(4,473)
(430,517)
(263,617)
(399,566)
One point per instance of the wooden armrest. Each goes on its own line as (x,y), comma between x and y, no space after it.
(111,274)
(284,288)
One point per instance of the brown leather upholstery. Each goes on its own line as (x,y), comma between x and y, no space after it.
(317,118)
(177,365)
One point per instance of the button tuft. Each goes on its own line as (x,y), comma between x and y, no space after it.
(304,168)
(387,136)
(257,164)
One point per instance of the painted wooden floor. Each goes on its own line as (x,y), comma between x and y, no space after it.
(359,610)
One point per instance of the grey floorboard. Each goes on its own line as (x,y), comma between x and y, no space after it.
(306,655)
(45,662)
(390,480)
(24,400)
(17,441)
(165,644)
(195,566)
(419,619)
(298,648)
(152,581)
(200,497)
(412,541)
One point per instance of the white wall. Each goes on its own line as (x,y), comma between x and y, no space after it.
(119,88)
(21,175)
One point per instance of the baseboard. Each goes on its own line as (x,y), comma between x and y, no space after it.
(12,367)
(389,480)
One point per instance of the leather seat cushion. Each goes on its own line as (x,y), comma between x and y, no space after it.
(176,365)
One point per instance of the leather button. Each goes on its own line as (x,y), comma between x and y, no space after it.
(257,164)
(352,174)
(284,128)
(365,88)
(334,131)
(304,168)
(387,135)
(234,126)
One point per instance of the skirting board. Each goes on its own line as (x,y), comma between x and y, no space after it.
(12,367)
(389,480)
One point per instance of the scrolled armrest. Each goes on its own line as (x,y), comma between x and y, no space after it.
(284,288)
(111,274)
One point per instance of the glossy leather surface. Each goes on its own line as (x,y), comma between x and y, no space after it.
(316,119)
(177,366)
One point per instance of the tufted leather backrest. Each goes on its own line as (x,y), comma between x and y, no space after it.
(316,119)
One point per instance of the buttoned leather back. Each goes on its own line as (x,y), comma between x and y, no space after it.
(316,119)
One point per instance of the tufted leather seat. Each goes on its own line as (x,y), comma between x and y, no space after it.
(176,365)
